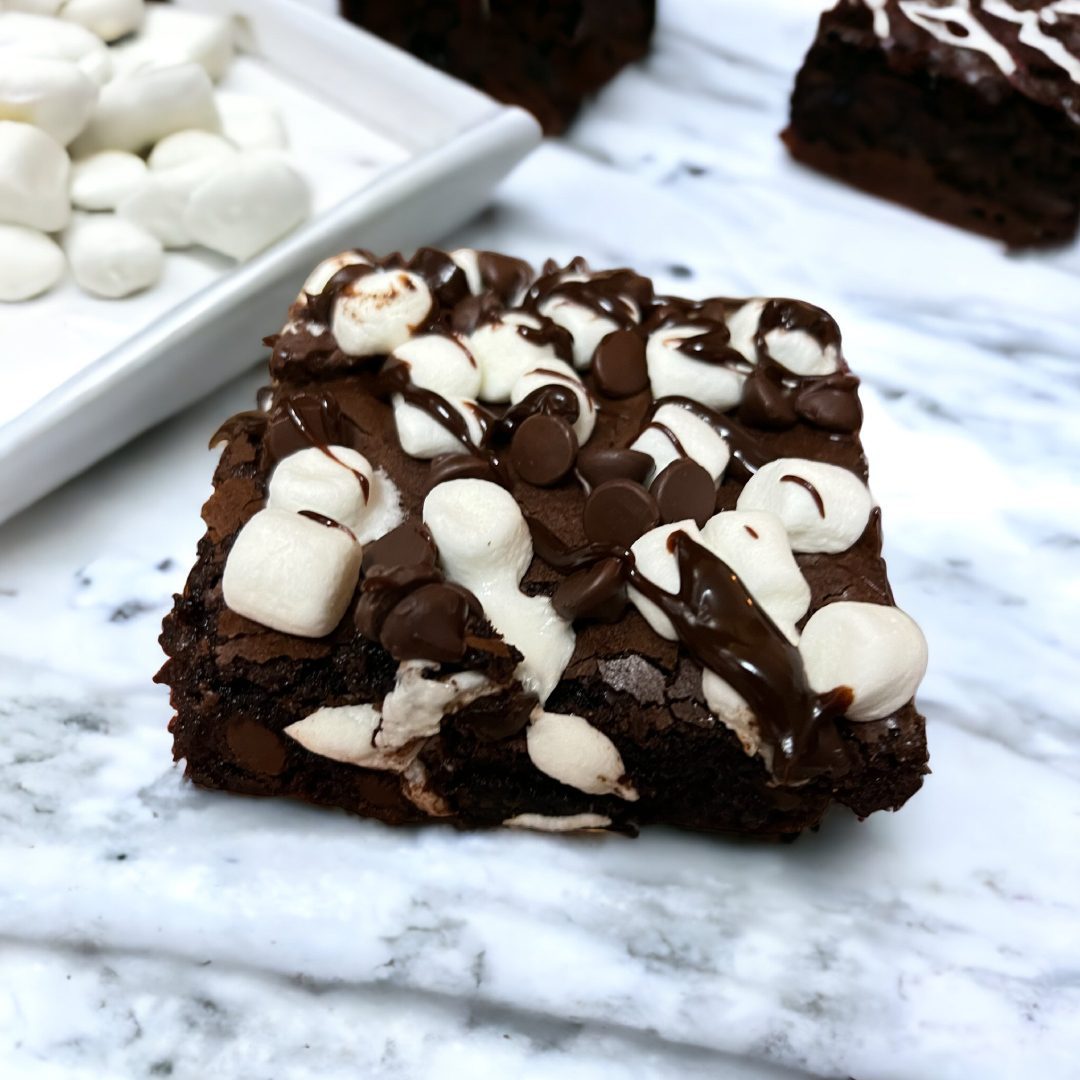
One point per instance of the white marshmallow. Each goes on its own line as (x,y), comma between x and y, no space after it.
(318,279)
(565,376)
(37,7)
(378,312)
(109,19)
(878,652)
(421,436)
(34,172)
(586,327)
(414,709)
(51,39)
(557,824)
(183,147)
(54,95)
(326,483)
(31,263)
(343,733)
(250,123)
(504,355)
(158,206)
(246,206)
(674,374)
(755,545)
(138,110)
(170,35)
(702,442)
(440,363)
(291,574)
(657,562)
(743,325)
(800,353)
(731,709)
(485,545)
(845,497)
(569,749)
(104,180)
(469,261)
(113,258)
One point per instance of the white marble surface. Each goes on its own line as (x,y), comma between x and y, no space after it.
(147,929)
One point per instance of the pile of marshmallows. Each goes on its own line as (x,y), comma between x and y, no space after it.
(109,107)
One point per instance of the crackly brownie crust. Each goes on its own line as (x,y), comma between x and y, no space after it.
(969,113)
(547,58)
(236,685)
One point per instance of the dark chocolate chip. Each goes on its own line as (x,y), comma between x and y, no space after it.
(255,748)
(619,365)
(618,512)
(460,467)
(409,544)
(597,592)
(597,465)
(543,450)
(428,624)
(684,490)
(496,717)
(833,407)
(766,403)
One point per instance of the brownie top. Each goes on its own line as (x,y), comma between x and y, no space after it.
(1030,45)
(518,484)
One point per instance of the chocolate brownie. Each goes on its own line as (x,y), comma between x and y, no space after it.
(966,110)
(546,57)
(551,551)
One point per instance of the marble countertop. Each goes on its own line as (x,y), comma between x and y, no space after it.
(149,929)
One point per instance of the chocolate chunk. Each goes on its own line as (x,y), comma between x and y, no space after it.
(543,450)
(428,624)
(409,544)
(597,465)
(684,490)
(619,365)
(618,512)
(255,748)
(598,592)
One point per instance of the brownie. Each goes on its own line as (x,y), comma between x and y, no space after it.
(547,550)
(547,58)
(967,110)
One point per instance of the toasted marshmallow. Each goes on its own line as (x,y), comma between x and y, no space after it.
(560,373)
(291,573)
(792,487)
(34,177)
(378,312)
(674,374)
(876,651)
(54,95)
(656,561)
(701,441)
(569,749)
(504,355)
(104,180)
(32,263)
(111,257)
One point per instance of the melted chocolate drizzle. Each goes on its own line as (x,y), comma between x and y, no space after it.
(327,522)
(805,484)
(747,451)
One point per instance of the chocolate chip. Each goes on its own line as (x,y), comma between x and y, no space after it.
(255,748)
(598,592)
(833,405)
(459,467)
(543,450)
(766,403)
(409,544)
(619,365)
(618,512)
(497,716)
(597,465)
(684,490)
(428,624)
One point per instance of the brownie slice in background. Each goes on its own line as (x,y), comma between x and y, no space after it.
(967,110)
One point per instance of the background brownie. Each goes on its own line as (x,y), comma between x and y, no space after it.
(968,112)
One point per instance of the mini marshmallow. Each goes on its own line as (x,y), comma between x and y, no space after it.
(184,147)
(845,498)
(32,263)
(54,95)
(699,439)
(250,123)
(755,545)
(656,561)
(800,353)
(485,545)
(731,709)
(557,823)
(440,363)
(559,373)
(138,110)
(104,180)
(586,326)
(504,355)
(320,277)
(569,749)
(876,651)
(170,36)
(743,327)
(469,261)
(34,172)
(291,573)
(415,708)
(343,733)
(109,19)
(51,39)
(246,206)
(37,7)
(422,436)
(158,206)
(113,258)
(378,312)
(326,483)
(673,373)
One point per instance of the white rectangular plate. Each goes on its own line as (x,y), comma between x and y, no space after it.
(396,154)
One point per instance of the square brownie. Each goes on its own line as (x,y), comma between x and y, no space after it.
(548,551)
(966,110)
